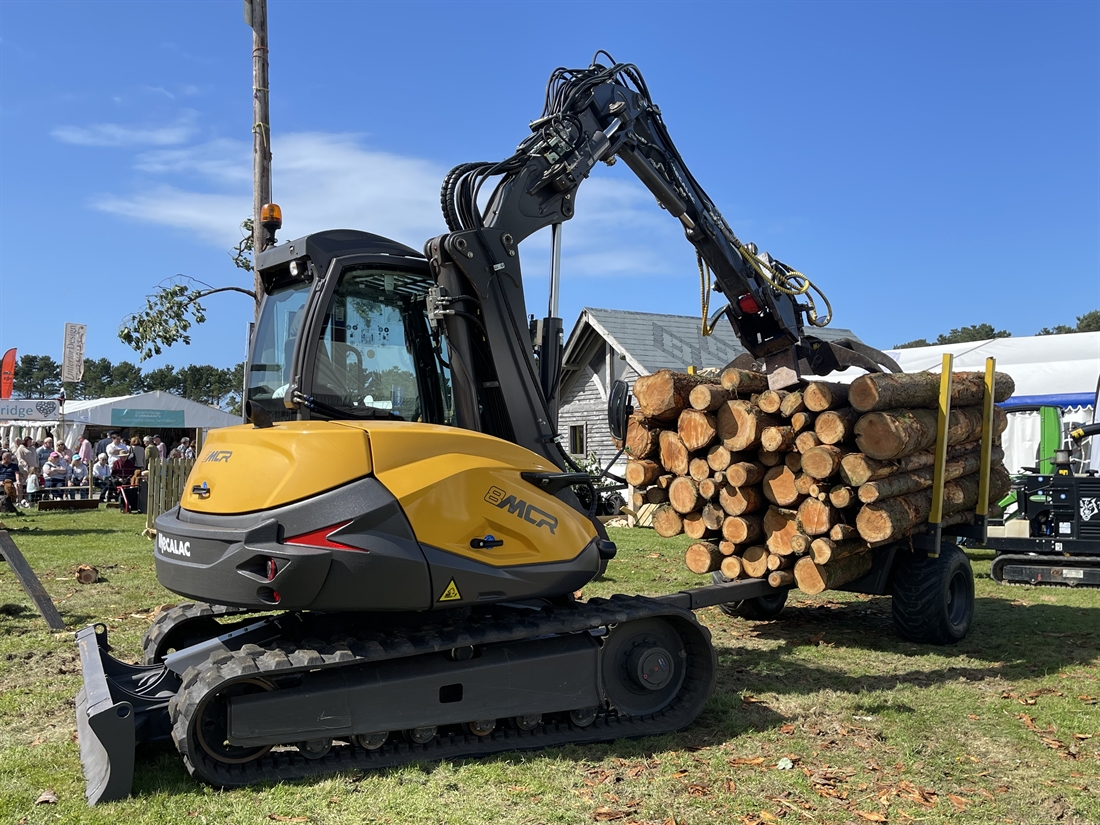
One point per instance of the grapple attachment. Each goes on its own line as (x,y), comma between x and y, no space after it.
(119,707)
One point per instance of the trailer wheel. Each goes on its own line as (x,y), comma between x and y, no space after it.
(934,597)
(760,609)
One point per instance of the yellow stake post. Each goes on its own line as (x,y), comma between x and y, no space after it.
(982,509)
(936,516)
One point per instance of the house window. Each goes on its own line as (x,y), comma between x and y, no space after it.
(576,439)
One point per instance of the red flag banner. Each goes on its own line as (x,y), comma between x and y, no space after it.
(7,374)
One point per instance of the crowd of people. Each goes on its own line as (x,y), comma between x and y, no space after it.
(43,469)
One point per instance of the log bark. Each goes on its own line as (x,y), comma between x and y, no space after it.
(822,462)
(744,382)
(744,473)
(642,437)
(802,421)
(899,484)
(794,402)
(815,518)
(778,486)
(713,516)
(777,439)
(781,578)
(835,426)
(696,528)
(770,401)
(842,496)
(683,495)
(663,481)
(674,455)
(825,550)
(655,495)
(740,425)
(697,429)
(806,441)
(793,461)
(803,484)
(663,395)
(754,561)
(703,557)
(825,395)
(897,433)
(843,532)
(780,562)
(780,525)
(718,457)
(698,469)
(857,469)
(800,544)
(894,517)
(888,391)
(813,578)
(742,529)
(709,487)
(642,473)
(638,499)
(707,397)
(732,568)
(727,548)
(768,458)
(667,522)
(736,501)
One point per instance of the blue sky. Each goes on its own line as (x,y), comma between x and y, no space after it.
(930,165)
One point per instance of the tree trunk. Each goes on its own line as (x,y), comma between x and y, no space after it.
(779,526)
(709,487)
(655,495)
(663,395)
(727,548)
(901,483)
(806,441)
(736,501)
(813,578)
(642,437)
(894,517)
(744,382)
(825,395)
(803,484)
(696,528)
(816,517)
(683,495)
(781,578)
(792,403)
(713,516)
(822,462)
(780,562)
(703,557)
(697,429)
(754,561)
(740,425)
(771,400)
(843,532)
(718,457)
(842,496)
(674,455)
(779,486)
(698,469)
(742,529)
(777,439)
(642,473)
(800,544)
(793,461)
(732,568)
(802,421)
(768,458)
(892,390)
(835,426)
(667,522)
(744,473)
(663,481)
(857,469)
(898,433)
(826,550)
(707,397)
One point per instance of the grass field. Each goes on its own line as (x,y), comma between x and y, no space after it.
(1004,727)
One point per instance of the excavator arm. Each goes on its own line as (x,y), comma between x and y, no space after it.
(591,115)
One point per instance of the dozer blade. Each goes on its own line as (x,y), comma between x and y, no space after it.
(119,707)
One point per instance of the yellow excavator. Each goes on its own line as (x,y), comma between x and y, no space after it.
(383,559)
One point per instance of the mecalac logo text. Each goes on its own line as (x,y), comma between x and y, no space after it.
(521,509)
(174,547)
(219,455)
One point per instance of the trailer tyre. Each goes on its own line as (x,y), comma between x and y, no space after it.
(934,597)
(760,609)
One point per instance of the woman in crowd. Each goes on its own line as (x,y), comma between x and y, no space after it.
(101,476)
(55,472)
(78,476)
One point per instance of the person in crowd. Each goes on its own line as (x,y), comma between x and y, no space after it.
(122,476)
(115,448)
(101,477)
(9,470)
(27,459)
(44,451)
(87,452)
(64,451)
(78,477)
(151,451)
(137,453)
(101,445)
(184,449)
(162,448)
(55,473)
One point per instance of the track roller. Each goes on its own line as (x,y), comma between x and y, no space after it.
(370,741)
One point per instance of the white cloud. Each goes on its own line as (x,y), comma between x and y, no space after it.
(115,134)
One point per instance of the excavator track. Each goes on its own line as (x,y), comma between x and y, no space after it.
(1023,569)
(260,669)
(187,622)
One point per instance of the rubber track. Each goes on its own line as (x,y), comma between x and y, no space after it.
(996,568)
(281,659)
(173,617)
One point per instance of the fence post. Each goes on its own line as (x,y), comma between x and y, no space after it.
(167,478)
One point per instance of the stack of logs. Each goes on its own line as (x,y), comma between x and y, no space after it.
(800,486)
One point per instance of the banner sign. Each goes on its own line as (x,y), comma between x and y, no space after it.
(72,362)
(7,374)
(146,418)
(30,409)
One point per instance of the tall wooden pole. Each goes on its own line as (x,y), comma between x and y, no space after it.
(256,16)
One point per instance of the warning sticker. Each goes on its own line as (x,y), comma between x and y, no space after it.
(451,593)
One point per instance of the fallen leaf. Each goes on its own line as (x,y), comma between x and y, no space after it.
(281,818)
(870,816)
(653,555)
(38,741)
(959,803)
(731,786)
(973,717)
(749,700)
(1088,700)
(47,797)
(679,774)
(698,790)
(1082,736)
(768,816)
(788,729)
(609,814)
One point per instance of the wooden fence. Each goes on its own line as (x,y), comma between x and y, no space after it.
(167,478)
